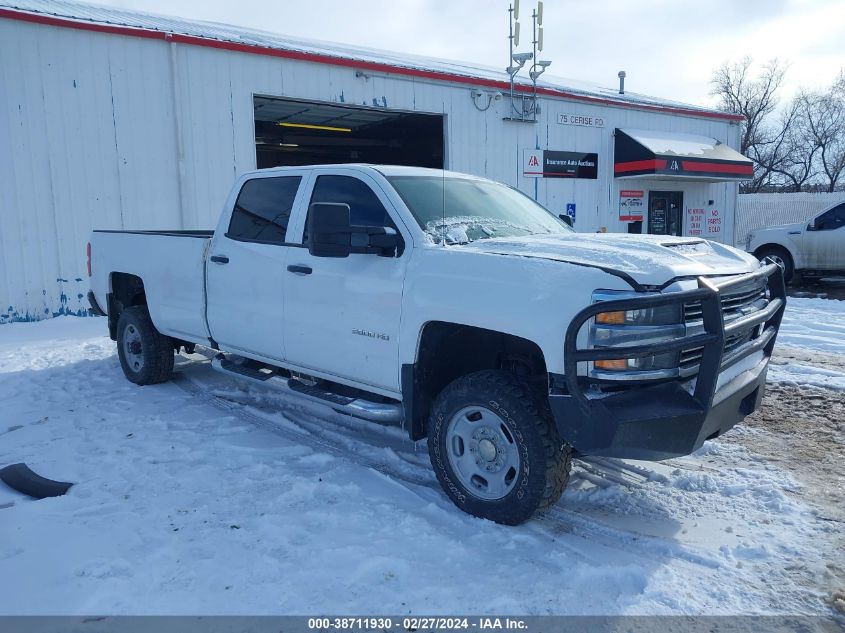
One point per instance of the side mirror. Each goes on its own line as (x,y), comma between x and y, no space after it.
(330,233)
(811,226)
(377,240)
(566,218)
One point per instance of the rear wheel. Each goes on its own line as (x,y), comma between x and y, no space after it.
(781,257)
(495,449)
(146,355)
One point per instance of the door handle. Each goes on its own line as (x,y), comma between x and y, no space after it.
(300,269)
(219,259)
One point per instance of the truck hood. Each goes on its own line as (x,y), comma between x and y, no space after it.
(648,259)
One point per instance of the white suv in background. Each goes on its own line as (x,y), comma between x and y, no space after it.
(812,250)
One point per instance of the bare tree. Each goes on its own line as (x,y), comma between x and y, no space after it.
(755,98)
(825,121)
(798,168)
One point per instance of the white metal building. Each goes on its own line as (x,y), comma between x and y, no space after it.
(116,119)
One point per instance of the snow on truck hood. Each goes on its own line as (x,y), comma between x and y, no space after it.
(648,259)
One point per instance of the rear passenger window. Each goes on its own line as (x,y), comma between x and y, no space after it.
(262,210)
(365,209)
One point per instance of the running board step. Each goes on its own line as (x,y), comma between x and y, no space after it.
(246,371)
(357,407)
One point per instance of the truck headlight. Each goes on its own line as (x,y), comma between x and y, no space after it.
(620,329)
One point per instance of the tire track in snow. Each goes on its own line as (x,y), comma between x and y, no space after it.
(555,522)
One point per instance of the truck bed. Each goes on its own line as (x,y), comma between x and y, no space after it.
(171,265)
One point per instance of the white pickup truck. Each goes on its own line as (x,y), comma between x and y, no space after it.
(458,308)
(812,250)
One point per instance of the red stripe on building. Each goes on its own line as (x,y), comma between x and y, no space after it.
(639,165)
(318,58)
(718,168)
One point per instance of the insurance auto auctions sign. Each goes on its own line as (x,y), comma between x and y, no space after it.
(544,163)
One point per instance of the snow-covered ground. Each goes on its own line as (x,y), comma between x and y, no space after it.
(201,496)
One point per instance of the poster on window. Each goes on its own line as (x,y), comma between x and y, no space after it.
(631,205)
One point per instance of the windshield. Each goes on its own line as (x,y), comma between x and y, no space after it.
(462,210)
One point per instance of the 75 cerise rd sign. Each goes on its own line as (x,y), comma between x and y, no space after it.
(580,119)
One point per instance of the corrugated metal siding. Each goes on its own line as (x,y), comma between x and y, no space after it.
(109,131)
(757,210)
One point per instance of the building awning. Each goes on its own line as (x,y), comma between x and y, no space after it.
(671,155)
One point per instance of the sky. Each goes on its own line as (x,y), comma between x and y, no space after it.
(667,48)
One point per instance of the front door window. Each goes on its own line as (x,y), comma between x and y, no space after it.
(665,215)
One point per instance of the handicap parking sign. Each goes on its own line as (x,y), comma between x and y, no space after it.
(570,210)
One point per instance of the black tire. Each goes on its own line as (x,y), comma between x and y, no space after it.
(545,460)
(137,338)
(23,479)
(782,257)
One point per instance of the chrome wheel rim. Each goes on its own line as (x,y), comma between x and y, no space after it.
(483,452)
(132,348)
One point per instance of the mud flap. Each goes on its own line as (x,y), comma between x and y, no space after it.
(21,478)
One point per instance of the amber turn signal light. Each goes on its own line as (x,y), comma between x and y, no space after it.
(614,364)
(614,318)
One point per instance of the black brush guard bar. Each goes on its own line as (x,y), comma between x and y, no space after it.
(631,406)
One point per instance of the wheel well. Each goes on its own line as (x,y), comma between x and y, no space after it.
(772,246)
(450,350)
(126,290)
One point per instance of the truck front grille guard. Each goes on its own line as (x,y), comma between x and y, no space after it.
(711,341)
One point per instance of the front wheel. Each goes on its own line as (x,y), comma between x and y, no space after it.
(146,355)
(779,256)
(495,448)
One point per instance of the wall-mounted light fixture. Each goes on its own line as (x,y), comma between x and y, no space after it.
(477,94)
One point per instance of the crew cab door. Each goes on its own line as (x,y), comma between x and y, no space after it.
(342,314)
(245,266)
(824,241)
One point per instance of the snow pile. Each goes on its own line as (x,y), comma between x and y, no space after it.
(798,374)
(816,324)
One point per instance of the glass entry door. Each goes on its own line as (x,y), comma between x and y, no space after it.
(665,212)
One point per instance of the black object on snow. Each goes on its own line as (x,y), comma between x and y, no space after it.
(23,479)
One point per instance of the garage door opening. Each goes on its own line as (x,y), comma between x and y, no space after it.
(293,133)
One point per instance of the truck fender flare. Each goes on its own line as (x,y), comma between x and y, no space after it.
(20,477)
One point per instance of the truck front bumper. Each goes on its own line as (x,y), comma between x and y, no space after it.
(670,419)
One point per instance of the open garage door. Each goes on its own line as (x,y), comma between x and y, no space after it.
(292,132)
